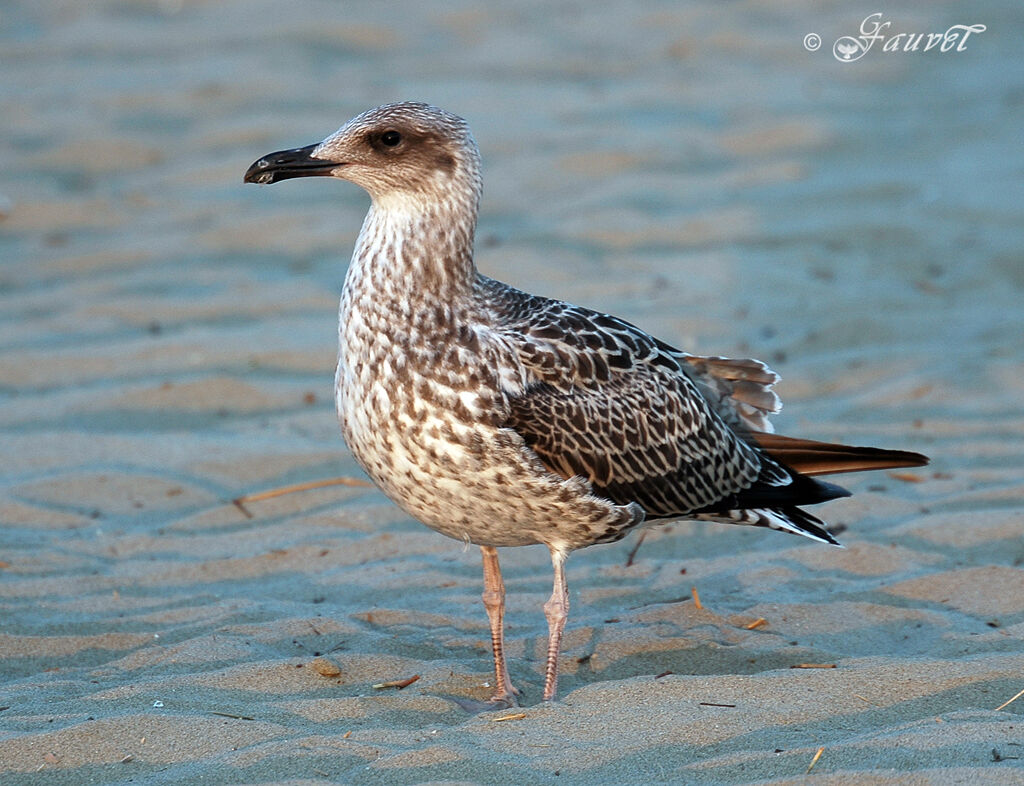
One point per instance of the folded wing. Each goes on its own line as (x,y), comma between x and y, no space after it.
(682,435)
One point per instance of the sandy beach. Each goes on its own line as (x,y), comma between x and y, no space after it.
(168,344)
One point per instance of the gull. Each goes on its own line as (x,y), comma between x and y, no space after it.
(501,418)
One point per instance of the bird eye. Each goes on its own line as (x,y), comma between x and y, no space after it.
(390,138)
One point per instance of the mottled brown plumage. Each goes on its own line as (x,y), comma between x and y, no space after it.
(506,419)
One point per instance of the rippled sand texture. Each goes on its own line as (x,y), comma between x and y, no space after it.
(167,344)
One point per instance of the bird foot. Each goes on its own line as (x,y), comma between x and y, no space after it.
(495,703)
(504,701)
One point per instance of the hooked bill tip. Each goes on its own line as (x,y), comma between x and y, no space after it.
(286,164)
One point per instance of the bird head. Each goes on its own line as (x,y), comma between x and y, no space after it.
(404,150)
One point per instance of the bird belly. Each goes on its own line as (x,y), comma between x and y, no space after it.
(432,448)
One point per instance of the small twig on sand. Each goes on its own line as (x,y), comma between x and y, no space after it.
(244,510)
(240,502)
(813,666)
(714,704)
(756,623)
(513,716)
(1008,702)
(696,599)
(905,477)
(636,548)
(397,683)
(229,715)
(815,759)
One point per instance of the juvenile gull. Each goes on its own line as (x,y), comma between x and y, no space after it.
(507,419)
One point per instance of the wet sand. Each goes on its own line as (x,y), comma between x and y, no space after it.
(168,344)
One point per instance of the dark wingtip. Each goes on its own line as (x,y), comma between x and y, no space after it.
(809,523)
(831,491)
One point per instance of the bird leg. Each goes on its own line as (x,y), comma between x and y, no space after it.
(557,611)
(494,603)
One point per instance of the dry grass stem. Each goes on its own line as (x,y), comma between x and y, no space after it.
(815,759)
(636,548)
(240,502)
(905,477)
(813,666)
(229,715)
(513,716)
(397,683)
(1008,702)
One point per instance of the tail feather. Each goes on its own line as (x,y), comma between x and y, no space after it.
(824,458)
(741,386)
(769,503)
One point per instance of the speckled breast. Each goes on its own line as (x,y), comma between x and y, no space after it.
(418,411)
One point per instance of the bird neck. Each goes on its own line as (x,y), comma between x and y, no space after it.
(415,248)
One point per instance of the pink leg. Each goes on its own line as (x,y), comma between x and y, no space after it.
(557,611)
(494,603)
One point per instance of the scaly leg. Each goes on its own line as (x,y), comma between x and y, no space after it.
(494,602)
(557,611)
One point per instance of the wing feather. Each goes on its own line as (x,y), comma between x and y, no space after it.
(681,435)
(604,400)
